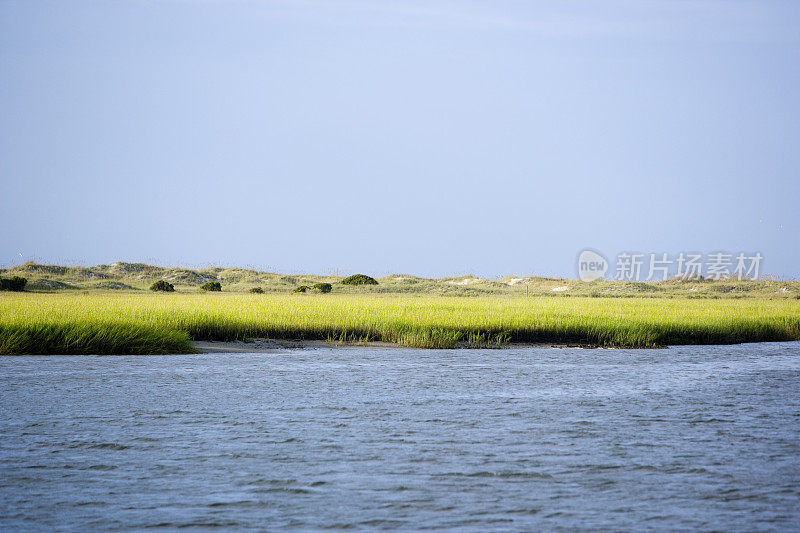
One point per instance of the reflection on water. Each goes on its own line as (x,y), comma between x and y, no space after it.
(689,437)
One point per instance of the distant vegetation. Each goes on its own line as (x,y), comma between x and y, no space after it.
(15,284)
(257,290)
(301,288)
(126,277)
(323,287)
(359,279)
(117,322)
(163,286)
(49,285)
(211,286)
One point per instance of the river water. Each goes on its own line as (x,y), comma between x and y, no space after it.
(328,438)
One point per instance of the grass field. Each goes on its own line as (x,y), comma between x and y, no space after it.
(127,323)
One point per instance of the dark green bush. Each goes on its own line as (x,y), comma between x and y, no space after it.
(323,287)
(257,290)
(163,286)
(212,286)
(16,284)
(301,288)
(359,279)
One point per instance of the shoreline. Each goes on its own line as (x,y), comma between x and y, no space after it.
(263,345)
(282,346)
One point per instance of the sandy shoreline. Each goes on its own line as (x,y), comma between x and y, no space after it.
(272,345)
(281,345)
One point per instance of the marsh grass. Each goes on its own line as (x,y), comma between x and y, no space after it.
(101,338)
(117,323)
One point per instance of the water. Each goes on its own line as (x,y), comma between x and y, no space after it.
(684,438)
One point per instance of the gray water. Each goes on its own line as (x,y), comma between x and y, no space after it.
(682,438)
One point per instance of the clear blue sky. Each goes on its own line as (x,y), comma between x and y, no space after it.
(425,137)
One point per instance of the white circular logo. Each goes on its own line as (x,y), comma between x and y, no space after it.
(591,265)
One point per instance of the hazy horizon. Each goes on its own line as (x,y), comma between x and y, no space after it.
(430,138)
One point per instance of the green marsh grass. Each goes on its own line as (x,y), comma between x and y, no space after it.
(101,338)
(117,323)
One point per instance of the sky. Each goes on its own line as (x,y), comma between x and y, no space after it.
(426,137)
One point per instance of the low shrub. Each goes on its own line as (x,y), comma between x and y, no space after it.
(16,284)
(301,288)
(324,288)
(49,285)
(359,279)
(211,286)
(163,286)
(257,290)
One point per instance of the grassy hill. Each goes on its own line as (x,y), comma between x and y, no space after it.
(122,276)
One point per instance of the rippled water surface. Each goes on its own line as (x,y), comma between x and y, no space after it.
(689,437)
